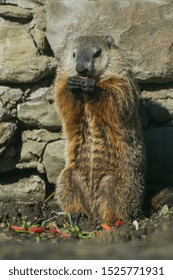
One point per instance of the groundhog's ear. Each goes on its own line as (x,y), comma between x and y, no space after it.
(111,42)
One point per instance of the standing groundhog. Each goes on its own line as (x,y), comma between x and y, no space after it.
(97,101)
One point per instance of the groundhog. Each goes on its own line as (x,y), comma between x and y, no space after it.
(98,101)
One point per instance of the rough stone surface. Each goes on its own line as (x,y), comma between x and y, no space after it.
(38,114)
(14,12)
(31,150)
(4,114)
(7,131)
(32,187)
(33,145)
(54,160)
(160,105)
(142,27)
(40,135)
(20,63)
(38,110)
(9,98)
(9,158)
(29,4)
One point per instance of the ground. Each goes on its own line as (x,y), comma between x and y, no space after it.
(46,233)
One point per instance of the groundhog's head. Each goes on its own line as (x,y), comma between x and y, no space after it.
(92,56)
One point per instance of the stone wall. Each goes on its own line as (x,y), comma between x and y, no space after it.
(33,36)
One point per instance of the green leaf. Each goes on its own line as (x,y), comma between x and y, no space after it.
(91,235)
(70,219)
(22,231)
(8,224)
(43,223)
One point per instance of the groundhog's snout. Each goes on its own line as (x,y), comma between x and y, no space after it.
(83,67)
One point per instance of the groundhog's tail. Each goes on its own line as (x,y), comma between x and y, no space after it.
(155,199)
(164,197)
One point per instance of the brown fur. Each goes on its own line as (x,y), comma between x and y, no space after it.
(164,197)
(105,160)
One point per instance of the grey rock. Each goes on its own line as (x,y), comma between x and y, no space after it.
(54,160)
(33,146)
(39,38)
(4,114)
(31,150)
(39,110)
(38,114)
(10,97)
(142,27)
(39,16)
(20,63)
(161,111)
(9,158)
(29,4)
(160,105)
(158,94)
(7,131)
(38,28)
(30,166)
(34,143)
(42,93)
(159,147)
(142,43)
(40,135)
(15,188)
(15,12)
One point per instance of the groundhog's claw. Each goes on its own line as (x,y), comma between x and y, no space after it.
(75,218)
(74,82)
(88,85)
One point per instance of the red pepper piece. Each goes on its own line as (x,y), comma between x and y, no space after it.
(118,223)
(106,227)
(36,229)
(17,228)
(55,231)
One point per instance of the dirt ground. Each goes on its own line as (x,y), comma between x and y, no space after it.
(56,238)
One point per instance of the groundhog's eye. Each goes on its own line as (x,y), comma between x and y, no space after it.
(74,54)
(98,53)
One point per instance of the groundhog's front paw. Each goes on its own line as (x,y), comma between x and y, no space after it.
(74,82)
(88,85)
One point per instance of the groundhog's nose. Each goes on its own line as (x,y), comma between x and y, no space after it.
(82,69)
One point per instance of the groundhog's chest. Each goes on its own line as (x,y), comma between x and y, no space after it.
(95,146)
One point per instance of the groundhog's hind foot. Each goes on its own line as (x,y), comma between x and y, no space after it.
(70,194)
(75,217)
(113,204)
(108,205)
